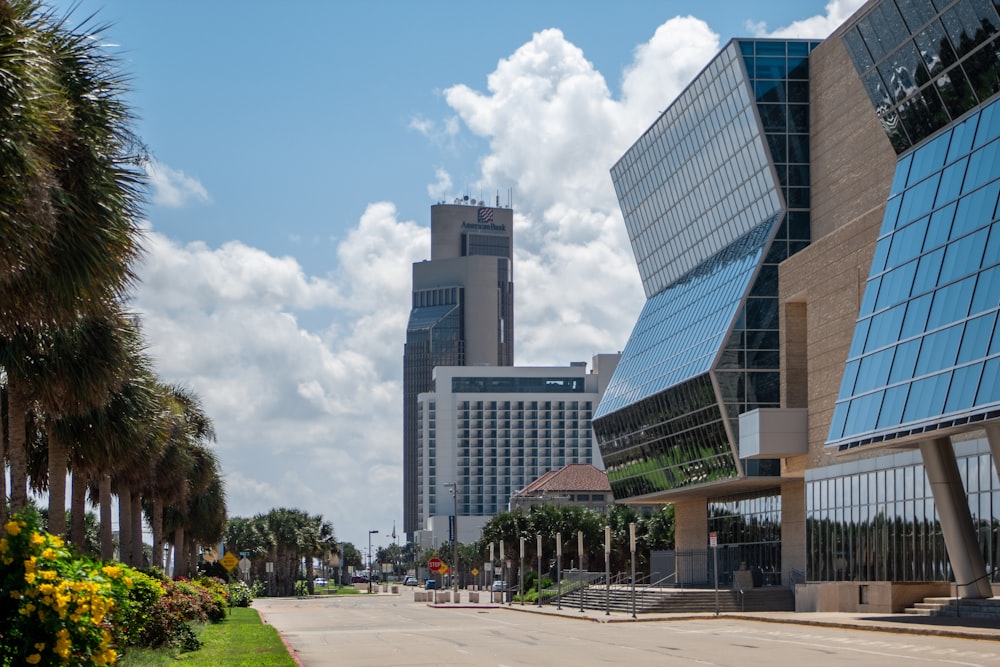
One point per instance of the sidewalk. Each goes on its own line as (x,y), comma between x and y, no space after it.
(963,628)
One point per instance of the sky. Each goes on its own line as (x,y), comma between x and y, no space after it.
(295,151)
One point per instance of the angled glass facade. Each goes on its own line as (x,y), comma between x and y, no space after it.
(715,194)
(925,353)
(926,63)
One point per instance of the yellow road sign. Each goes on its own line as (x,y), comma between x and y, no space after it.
(475,571)
(229,561)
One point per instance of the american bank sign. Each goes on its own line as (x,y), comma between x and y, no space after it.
(484,222)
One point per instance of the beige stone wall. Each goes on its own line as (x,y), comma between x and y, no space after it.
(821,287)
(793,528)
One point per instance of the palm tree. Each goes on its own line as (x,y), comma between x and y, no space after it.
(73,191)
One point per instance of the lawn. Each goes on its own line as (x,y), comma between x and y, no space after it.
(239,641)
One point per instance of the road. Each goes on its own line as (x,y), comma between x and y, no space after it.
(384,630)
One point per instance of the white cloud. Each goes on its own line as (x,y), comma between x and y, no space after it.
(440,188)
(172,187)
(817,27)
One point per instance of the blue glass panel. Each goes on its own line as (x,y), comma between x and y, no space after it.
(427,317)
(896,285)
(862,412)
(982,167)
(963,256)
(951,182)
(770,68)
(962,135)
(989,385)
(939,350)
(881,254)
(839,418)
(976,340)
(905,361)
(964,384)
(873,371)
(930,158)
(915,321)
(907,242)
(926,397)
(928,270)
(891,214)
(901,175)
(860,338)
(987,295)
(951,303)
(769,48)
(850,376)
(885,328)
(939,229)
(871,292)
(892,406)
(989,124)
(918,199)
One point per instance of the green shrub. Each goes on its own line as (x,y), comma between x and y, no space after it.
(240,595)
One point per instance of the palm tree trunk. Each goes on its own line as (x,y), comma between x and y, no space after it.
(18,446)
(78,510)
(3,457)
(156,527)
(192,558)
(58,461)
(137,550)
(107,535)
(125,525)
(180,555)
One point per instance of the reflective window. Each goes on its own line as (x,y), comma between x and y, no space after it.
(936,316)
(881,524)
(929,67)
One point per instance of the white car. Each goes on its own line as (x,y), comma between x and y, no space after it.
(500,585)
(411,581)
(319,581)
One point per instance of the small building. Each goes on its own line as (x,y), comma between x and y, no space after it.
(578,484)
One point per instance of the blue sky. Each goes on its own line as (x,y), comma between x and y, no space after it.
(296,149)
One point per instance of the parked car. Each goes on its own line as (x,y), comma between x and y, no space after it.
(500,585)
(411,581)
(319,581)
(359,578)
(430,584)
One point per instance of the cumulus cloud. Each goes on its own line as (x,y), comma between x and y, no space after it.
(818,27)
(301,414)
(441,187)
(172,187)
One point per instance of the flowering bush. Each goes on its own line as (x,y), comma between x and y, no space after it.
(240,595)
(183,603)
(54,607)
(133,612)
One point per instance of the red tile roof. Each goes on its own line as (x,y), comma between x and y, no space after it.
(574,477)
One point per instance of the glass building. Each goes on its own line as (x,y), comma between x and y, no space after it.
(715,194)
(817,231)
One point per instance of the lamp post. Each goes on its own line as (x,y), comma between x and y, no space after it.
(631,541)
(579,551)
(453,488)
(370,533)
(538,548)
(520,573)
(607,570)
(559,571)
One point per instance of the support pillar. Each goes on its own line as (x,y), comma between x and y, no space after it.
(956,520)
(993,437)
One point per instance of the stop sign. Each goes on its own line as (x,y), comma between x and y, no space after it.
(434,564)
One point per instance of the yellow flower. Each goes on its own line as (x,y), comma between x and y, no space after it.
(33,659)
(112,571)
(37,538)
(50,554)
(40,646)
(13,528)
(29,577)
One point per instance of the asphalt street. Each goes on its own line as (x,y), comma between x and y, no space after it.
(383,630)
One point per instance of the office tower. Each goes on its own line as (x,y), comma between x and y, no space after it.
(462,313)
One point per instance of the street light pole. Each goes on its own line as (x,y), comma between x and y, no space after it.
(370,533)
(453,488)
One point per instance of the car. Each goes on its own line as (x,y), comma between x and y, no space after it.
(430,584)
(500,585)
(319,581)
(359,578)
(411,581)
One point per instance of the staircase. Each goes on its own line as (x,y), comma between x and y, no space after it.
(988,609)
(678,600)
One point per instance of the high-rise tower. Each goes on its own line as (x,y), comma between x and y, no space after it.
(462,313)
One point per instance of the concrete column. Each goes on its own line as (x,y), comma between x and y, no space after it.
(691,539)
(993,437)
(956,519)
(793,529)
